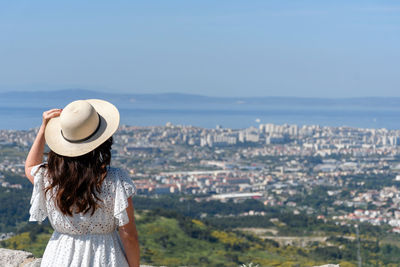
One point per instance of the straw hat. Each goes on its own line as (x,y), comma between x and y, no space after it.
(82,126)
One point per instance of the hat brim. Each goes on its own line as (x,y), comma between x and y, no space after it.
(109,122)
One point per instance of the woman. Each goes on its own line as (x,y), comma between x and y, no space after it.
(88,203)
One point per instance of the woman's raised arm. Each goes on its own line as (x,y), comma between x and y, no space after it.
(35,155)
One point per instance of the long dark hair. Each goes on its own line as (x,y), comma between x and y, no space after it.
(77,180)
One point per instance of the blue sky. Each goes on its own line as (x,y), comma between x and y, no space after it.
(217,48)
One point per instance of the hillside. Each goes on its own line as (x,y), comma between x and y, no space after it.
(173,234)
(173,240)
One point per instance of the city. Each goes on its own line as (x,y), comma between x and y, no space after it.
(341,174)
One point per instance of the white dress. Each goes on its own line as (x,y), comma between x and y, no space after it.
(84,240)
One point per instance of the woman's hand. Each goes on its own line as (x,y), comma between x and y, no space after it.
(49,114)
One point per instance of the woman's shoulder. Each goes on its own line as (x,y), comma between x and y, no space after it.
(39,172)
(117,181)
(118,175)
(116,172)
(38,169)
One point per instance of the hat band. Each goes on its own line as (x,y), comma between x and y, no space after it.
(86,138)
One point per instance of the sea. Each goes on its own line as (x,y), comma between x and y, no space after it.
(24,118)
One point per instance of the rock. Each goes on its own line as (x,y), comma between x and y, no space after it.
(34,263)
(17,258)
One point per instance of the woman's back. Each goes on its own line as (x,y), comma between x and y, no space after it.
(85,200)
(84,239)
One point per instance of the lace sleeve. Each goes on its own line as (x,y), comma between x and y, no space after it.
(38,210)
(124,189)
